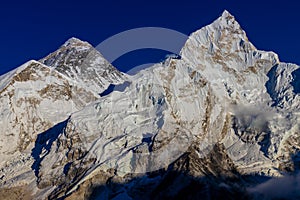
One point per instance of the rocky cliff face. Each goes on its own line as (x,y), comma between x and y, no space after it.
(218,122)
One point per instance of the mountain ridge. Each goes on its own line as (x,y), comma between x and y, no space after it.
(221,112)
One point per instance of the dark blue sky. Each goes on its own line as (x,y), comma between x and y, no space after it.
(32,29)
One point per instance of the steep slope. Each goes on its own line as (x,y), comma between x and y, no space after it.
(36,97)
(37,93)
(220,120)
(33,99)
(223,102)
(82,63)
(244,78)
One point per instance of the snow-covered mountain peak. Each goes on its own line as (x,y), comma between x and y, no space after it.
(224,35)
(75,42)
(227,16)
(222,111)
(226,13)
(227,20)
(82,63)
(222,50)
(71,53)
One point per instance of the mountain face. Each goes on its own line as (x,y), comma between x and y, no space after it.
(35,97)
(82,63)
(220,122)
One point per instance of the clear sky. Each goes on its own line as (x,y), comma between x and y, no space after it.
(32,29)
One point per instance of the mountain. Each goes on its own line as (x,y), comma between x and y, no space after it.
(82,63)
(35,97)
(220,121)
